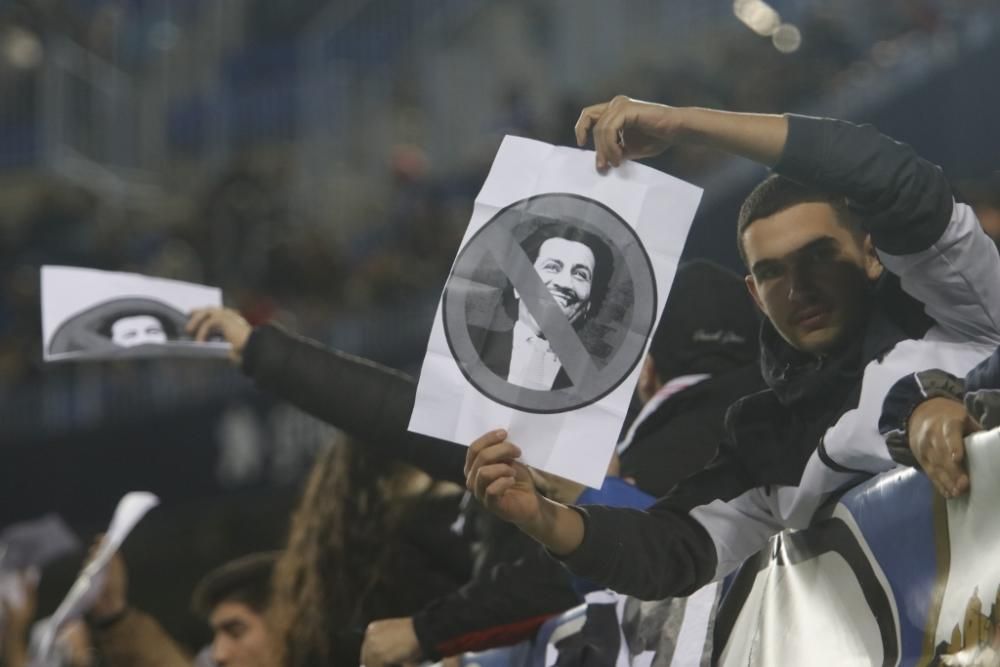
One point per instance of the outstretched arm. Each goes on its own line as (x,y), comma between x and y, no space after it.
(366,400)
(934,245)
(702,530)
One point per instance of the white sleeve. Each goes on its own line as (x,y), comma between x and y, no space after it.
(957,278)
(739,528)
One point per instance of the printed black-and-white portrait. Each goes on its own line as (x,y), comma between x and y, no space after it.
(90,314)
(120,324)
(555,290)
(550,303)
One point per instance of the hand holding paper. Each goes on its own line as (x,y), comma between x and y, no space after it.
(626,129)
(507,489)
(88,586)
(558,285)
(226,322)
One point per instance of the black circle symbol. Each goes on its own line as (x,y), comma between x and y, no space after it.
(598,341)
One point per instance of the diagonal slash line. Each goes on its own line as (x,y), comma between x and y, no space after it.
(562,337)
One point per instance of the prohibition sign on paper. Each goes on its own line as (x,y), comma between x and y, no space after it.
(596,356)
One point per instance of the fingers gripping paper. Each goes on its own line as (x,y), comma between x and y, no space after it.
(545,319)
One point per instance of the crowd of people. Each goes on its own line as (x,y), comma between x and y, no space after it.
(864,336)
(262,254)
(865,342)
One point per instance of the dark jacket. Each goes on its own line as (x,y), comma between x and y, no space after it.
(682,436)
(495,349)
(425,561)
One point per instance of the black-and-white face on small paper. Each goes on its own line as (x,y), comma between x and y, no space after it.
(138,330)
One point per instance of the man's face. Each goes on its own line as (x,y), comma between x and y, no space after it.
(567,270)
(137,330)
(809,275)
(241,637)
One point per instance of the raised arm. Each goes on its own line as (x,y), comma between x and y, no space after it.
(936,247)
(631,129)
(905,200)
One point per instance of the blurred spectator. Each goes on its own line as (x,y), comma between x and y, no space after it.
(234,599)
(112,633)
(123,636)
(370,539)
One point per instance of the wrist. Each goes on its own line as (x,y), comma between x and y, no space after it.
(558,527)
(685,125)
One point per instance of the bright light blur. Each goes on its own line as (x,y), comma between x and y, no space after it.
(787,38)
(759,16)
(21,48)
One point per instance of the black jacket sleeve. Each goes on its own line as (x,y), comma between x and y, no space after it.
(503,604)
(985,375)
(663,551)
(904,200)
(365,400)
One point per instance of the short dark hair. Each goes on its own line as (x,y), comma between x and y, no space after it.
(604,259)
(246,580)
(777,193)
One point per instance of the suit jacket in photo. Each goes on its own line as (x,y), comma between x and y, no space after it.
(495,347)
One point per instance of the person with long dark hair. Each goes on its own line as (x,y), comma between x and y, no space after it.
(369,539)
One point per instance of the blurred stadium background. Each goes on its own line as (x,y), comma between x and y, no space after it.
(318,160)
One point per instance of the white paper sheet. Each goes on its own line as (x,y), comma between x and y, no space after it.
(629,226)
(91,314)
(85,590)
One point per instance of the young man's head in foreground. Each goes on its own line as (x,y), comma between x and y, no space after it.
(811,263)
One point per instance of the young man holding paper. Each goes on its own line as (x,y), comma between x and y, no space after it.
(851,217)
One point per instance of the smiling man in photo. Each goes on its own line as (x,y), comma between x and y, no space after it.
(575,266)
